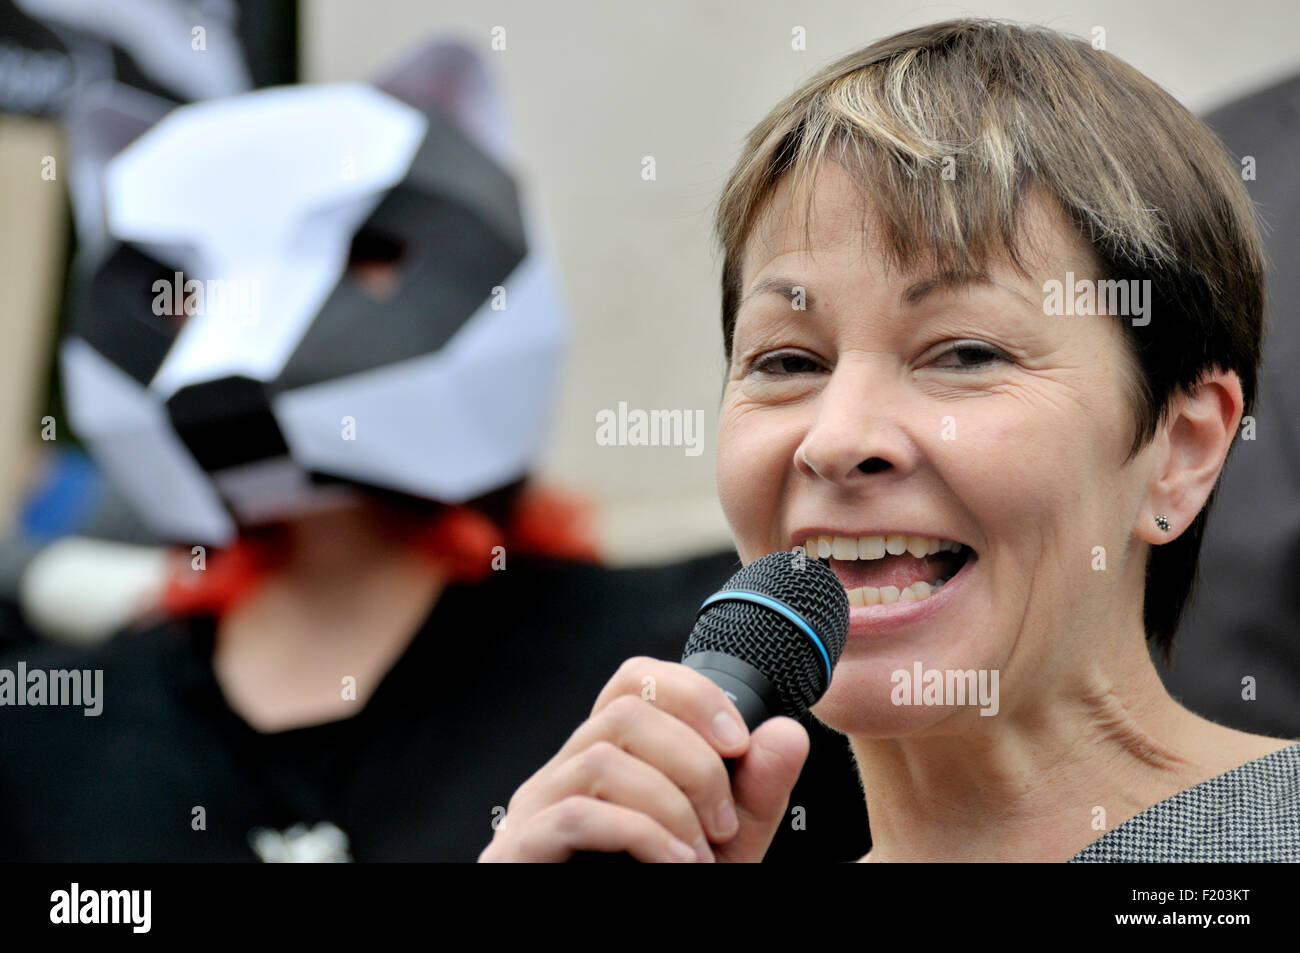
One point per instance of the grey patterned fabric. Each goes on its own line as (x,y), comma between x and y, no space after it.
(1250,814)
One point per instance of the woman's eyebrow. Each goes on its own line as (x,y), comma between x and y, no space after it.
(779,283)
(914,293)
(953,281)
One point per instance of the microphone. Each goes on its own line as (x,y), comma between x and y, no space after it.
(771,636)
(770,639)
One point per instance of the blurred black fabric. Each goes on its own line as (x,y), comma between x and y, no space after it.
(496,680)
(50,53)
(1245,620)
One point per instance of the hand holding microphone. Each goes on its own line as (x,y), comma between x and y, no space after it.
(646,775)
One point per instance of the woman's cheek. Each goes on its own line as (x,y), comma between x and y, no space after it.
(748,479)
(726,473)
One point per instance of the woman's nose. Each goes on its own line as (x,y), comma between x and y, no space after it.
(854,433)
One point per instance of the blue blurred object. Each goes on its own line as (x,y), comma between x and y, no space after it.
(65,500)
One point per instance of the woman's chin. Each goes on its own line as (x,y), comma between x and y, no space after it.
(875,716)
(903,693)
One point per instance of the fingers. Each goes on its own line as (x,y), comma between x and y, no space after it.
(607,772)
(688,761)
(761,783)
(684,692)
(645,774)
(585,823)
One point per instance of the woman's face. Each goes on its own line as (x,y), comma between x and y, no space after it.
(1010,444)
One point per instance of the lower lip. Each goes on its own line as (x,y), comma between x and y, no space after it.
(880,618)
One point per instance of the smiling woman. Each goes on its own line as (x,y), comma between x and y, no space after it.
(1002,486)
(1011,493)
(958,131)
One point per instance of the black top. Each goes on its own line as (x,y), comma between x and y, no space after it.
(496,679)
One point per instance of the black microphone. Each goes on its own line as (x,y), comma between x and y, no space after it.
(770,639)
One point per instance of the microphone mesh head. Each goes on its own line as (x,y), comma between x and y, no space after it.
(768,640)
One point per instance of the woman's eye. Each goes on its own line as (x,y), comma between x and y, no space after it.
(785,363)
(969,355)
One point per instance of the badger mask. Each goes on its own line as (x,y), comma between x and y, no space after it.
(229,364)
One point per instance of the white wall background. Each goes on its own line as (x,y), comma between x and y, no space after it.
(593,87)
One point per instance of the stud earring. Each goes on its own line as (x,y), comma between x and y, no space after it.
(1162,523)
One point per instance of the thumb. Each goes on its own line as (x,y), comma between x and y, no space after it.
(761,785)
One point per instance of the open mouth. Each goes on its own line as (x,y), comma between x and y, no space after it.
(877,570)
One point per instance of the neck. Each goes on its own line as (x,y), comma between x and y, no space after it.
(1050,776)
(344,602)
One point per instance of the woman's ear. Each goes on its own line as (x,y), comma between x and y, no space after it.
(1197,436)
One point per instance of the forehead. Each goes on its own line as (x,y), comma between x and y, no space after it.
(840,221)
(787,223)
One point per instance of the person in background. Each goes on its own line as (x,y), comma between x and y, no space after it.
(315,348)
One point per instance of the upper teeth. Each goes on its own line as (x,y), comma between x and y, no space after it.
(876,547)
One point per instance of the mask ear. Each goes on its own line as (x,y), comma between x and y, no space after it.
(449,78)
(99,125)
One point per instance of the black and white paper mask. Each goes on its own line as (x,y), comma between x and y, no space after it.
(294,377)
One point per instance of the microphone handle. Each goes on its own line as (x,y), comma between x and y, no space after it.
(752,692)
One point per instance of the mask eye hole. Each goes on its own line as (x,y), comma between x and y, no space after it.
(375,263)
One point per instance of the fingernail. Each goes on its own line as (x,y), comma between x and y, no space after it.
(726,818)
(680,852)
(726,730)
(703,852)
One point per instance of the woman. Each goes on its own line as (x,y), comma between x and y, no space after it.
(992,305)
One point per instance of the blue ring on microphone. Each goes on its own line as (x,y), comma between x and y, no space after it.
(780,608)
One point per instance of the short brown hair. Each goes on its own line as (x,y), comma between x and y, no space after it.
(1019,110)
